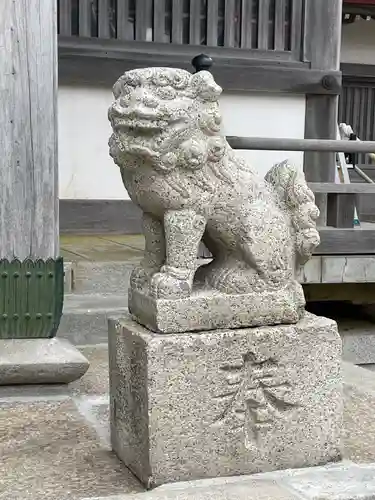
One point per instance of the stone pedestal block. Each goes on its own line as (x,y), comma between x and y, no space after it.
(209,309)
(225,402)
(40,361)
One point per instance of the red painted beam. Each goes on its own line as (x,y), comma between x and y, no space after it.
(359,2)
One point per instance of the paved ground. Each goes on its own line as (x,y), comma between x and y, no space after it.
(54,441)
(102,248)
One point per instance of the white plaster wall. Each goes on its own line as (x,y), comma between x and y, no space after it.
(87,172)
(85,169)
(265,115)
(358,42)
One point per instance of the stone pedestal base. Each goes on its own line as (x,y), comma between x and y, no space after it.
(225,402)
(210,309)
(40,361)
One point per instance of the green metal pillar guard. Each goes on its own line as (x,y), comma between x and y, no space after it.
(31,298)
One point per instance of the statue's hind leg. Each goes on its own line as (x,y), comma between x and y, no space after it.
(256,261)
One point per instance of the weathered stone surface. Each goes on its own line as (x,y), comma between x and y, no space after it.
(179,169)
(358,341)
(95,380)
(49,452)
(215,310)
(85,468)
(85,318)
(344,481)
(225,402)
(103,277)
(241,490)
(359,422)
(40,361)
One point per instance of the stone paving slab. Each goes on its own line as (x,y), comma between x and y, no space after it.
(242,490)
(101,248)
(54,442)
(359,414)
(332,482)
(95,381)
(48,451)
(344,481)
(358,338)
(85,318)
(136,241)
(102,277)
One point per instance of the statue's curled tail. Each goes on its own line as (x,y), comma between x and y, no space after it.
(298,200)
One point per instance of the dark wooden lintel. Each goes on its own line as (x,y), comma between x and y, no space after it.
(101,62)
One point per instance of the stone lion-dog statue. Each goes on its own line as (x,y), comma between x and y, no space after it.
(191,186)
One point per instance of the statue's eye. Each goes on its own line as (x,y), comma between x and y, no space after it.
(133,80)
(124,99)
(125,91)
(166,92)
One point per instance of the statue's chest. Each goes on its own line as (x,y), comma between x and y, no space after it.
(157,193)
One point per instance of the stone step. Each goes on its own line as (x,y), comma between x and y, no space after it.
(85,277)
(344,481)
(112,277)
(84,320)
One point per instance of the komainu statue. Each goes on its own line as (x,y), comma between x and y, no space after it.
(191,186)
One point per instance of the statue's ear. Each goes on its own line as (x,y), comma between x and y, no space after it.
(205,86)
(210,120)
(117,88)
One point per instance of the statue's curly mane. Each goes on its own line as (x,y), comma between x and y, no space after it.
(197,143)
(185,146)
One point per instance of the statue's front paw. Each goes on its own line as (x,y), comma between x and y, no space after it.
(164,286)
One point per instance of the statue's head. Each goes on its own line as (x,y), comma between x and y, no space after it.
(159,113)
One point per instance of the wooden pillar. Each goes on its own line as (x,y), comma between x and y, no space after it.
(322,46)
(31,274)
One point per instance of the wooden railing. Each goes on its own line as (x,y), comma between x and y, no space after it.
(357,107)
(340,197)
(269,25)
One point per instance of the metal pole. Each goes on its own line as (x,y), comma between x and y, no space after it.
(276,144)
(363,175)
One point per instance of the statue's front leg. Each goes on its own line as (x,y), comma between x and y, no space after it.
(183,230)
(154,254)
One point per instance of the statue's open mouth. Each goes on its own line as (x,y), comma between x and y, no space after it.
(138,125)
(139,120)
